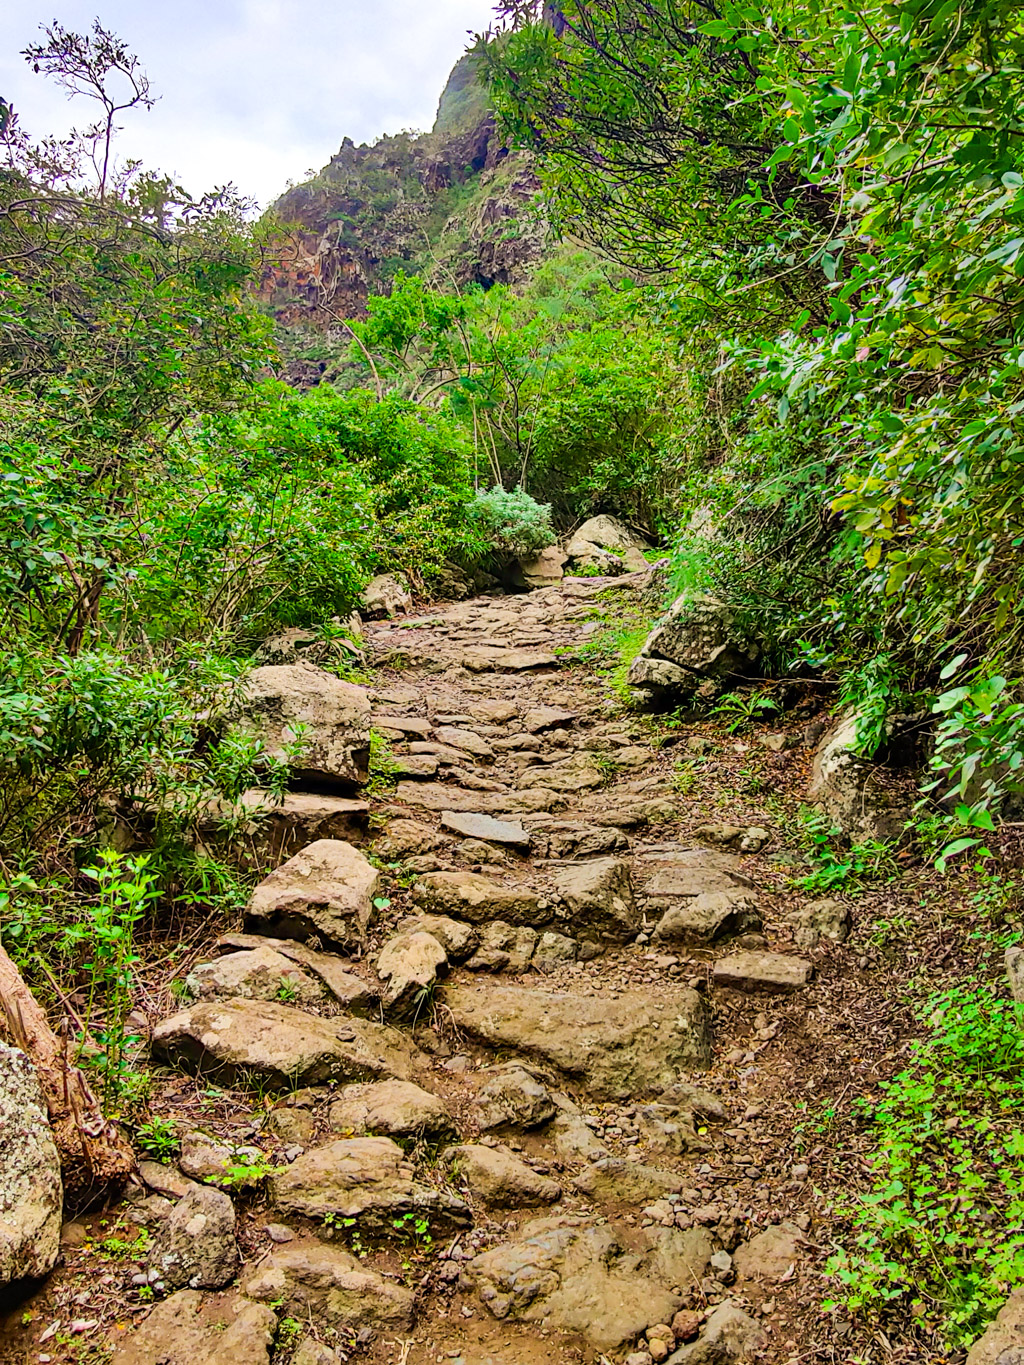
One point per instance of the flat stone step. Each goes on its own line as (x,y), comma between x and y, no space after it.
(480,826)
(766,973)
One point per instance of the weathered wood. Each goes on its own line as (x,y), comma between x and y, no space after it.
(94,1153)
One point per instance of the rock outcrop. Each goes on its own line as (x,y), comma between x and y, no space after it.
(31,1194)
(697,641)
(324,892)
(301,705)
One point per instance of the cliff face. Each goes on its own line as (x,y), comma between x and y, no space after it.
(452,204)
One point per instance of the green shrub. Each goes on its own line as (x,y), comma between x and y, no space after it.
(512,523)
(939,1232)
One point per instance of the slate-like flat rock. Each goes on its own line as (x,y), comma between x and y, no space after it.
(480,826)
(636,1044)
(769,973)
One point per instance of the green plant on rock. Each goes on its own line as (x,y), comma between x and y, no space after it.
(939,1231)
(382,765)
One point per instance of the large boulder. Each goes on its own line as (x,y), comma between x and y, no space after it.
(236,1039)
(514,1098)
(541,571)
(334,717)
(633,1045)
(610,535)
(848,788)
(254,974)
(694,921)
(499,1179)
(350,991)
(398,1109)
(191,1328)
(366,1178)
(599,896)
(330,1286)
(703,638)
(31,1194)
(326,891)
(410,963)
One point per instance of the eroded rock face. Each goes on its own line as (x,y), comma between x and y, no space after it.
(410,964)
(31,1193)
(1014,962)
(771,1254)
(542,571)
(846,786)
(1003,1340)
(513,1098)
(190,1328)
(704,639)
(325,891)
(335,716)
(234,1039)
(330,1286)
(698,920)
(692,872)
(385,595)
(256,974)
(365,1178)
(729,1334)
(613,1180)
(820,919)
(195,1246)
(574,1278)
(632,1046)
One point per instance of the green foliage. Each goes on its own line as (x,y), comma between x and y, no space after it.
(104,938)
(743,708)
(513,523)
(158,1138)
(245,1172)
(939,1231)
(837,865)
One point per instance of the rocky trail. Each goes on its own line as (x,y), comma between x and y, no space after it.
(525,1054)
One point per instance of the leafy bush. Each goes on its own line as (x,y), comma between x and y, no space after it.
(939,1231)
(512,523)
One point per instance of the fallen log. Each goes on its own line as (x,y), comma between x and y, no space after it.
(94,1154)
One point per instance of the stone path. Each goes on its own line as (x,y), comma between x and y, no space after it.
(516,1024)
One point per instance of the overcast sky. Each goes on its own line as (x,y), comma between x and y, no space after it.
(253,91)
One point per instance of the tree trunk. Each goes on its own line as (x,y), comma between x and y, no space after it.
(93,1152)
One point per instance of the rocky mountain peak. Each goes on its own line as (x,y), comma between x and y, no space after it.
(454,202)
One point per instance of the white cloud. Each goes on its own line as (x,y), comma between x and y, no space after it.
(254,91)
